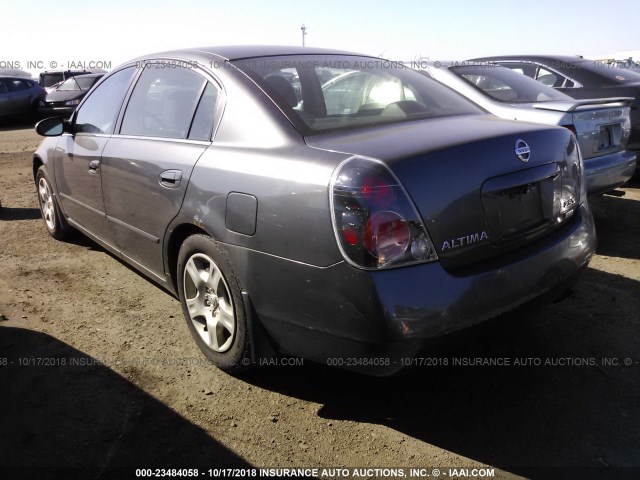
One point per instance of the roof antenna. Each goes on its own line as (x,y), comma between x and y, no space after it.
(304,33)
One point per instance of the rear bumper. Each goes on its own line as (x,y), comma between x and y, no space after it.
(371,321)
(609,171)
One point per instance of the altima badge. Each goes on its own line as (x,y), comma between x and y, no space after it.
(523,151)
(464,241)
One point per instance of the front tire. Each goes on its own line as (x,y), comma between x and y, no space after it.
(212,304)
(55,222)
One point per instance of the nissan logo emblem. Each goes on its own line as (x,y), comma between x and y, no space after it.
(523,152)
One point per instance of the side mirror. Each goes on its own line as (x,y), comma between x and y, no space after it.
(50,127)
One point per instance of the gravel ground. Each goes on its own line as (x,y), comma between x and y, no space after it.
(98,372)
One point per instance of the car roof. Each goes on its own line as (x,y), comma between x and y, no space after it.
(561,58)
(238,52)
(11,77)
(584,70)
(89,75)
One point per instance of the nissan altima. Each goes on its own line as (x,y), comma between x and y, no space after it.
(344,225)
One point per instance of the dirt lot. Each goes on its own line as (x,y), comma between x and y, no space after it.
(98,371)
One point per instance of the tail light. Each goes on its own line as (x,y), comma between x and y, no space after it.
(375,222)
(573,190)
(571,127)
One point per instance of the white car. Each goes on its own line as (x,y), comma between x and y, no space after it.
(602,126)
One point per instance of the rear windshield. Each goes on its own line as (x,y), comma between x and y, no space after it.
(505,85)
(49,79)
(333,92)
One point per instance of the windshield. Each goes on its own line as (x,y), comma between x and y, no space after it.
(86,82)
(505,85)
(77,83)
(331,92)
(69,84)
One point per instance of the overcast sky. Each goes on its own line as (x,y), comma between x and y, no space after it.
(56,32)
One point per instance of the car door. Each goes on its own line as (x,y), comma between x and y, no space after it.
(77,166)
(20,95)
(6,106)
(166,127)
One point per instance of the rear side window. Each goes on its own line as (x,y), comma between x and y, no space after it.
(19,85)
(202,126)
(163,102)
(99,112)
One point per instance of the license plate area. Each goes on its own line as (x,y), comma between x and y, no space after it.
(520,208)
(605,137)
(522,203)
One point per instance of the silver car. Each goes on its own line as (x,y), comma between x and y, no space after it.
(344,224)
(602,126)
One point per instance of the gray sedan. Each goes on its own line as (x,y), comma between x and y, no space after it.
(345,225)
(601,125)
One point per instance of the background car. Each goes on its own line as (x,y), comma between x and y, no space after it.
(67,96)
(19,96)
(50,79)
(602,126)
(580,78)
(342,234)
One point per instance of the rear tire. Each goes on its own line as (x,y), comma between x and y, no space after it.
(212,304)
(54,221)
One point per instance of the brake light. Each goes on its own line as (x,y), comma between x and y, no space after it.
(376,224)
(573,190)
(571,127)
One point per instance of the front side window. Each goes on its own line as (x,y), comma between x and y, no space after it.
(163,102)
(331,92)
(99,112)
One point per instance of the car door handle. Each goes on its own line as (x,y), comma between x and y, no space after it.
(94,167)
(170,178)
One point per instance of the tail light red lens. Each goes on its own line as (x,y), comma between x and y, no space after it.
(386,235)
(376,224)
(378,192)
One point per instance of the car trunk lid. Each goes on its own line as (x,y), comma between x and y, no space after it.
(476,196)
(602,125)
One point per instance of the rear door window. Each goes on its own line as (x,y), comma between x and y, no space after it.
(19,85)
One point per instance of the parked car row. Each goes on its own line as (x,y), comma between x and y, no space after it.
(602,126)
(581,79)
(56,93)
(327,204)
